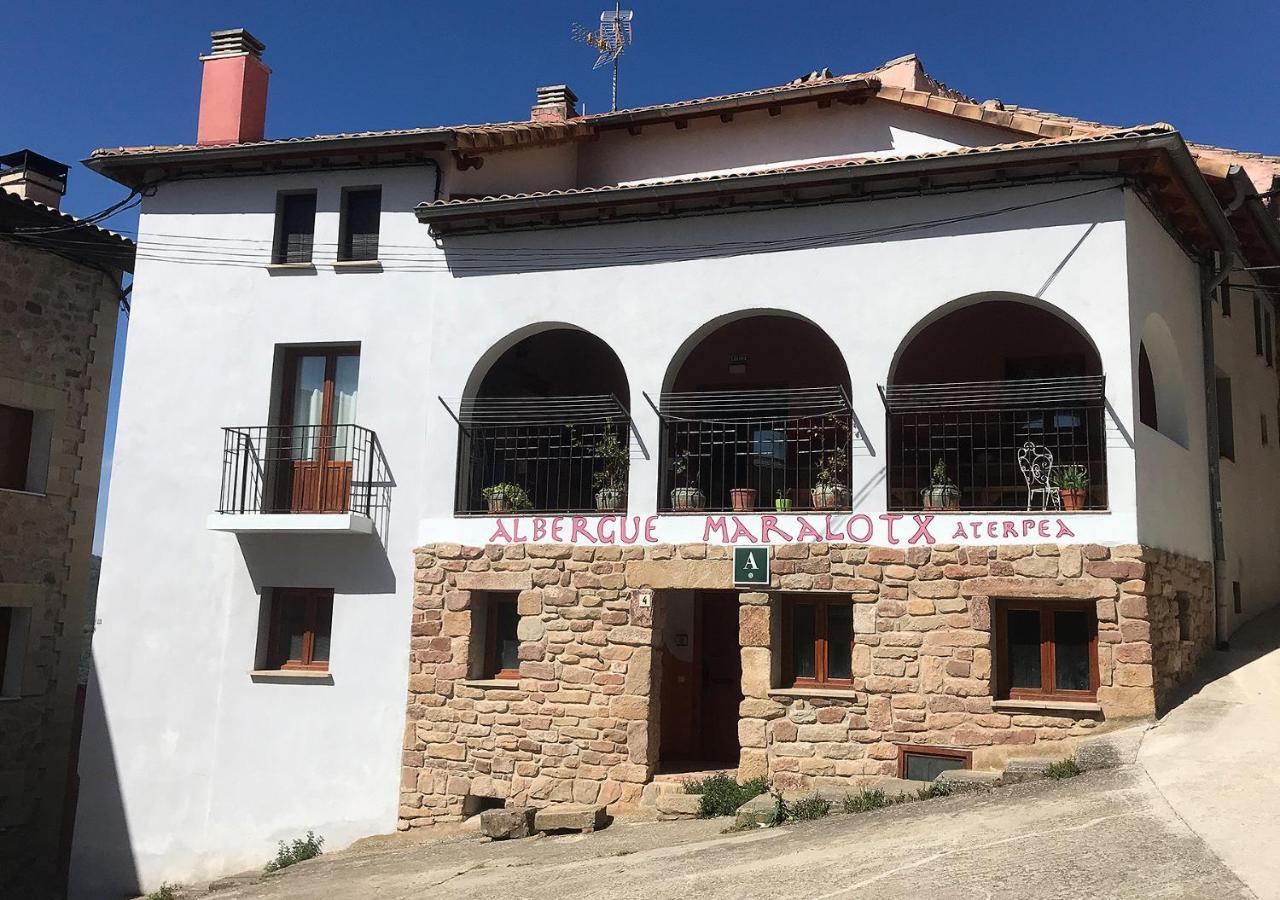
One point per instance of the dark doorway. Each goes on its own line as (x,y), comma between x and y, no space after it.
(701,682)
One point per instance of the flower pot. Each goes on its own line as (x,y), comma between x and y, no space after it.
(946,497)
(830,496)
(1072,499)
(609,499)
(499,504)
(683,499)
(782,506)
(744,499)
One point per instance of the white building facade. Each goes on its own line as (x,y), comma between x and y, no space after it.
(787,307)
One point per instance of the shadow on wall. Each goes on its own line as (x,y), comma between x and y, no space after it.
(102,862)
(350,564)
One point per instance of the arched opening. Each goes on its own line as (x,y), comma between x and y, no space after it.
(1162,402)
(997,405)
(544,427)
(756,414)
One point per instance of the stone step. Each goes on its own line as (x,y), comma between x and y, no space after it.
(569,817)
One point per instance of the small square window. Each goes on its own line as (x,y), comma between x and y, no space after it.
(359,225)
(1046,650)
(916,763)
(295,227)
(300,628)
(817,635)
(501,620)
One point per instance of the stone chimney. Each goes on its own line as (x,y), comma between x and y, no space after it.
(556,103)
(233,90)
(33,177)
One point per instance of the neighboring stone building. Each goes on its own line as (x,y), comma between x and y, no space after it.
(60,291)
(991,393)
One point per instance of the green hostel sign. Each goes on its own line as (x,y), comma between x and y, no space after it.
(750,566)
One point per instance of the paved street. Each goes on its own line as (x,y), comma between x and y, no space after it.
(1193,816)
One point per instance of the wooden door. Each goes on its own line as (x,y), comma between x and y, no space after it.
(317,441)
(721,670)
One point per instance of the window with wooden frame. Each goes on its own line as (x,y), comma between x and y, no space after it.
(920,763)
(300,628)
(1046,650)
(358,224)
(16,427)
(817,641)
(295,227)
(501,641)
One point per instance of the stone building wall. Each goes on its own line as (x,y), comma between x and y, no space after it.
(581,723)
(57,333)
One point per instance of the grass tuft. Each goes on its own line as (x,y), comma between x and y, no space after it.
(1064,768)
(166,891)
(295,852)
(809,808)
(720,795)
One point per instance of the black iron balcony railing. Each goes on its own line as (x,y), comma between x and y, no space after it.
(535,455)
(304,469)
(1005,445)
(748,450)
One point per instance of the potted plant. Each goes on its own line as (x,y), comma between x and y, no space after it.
(744,499)
(942,492)
(610,479)
(1072,483)
(687,496)
(781,502)
(506,497)
(829,490)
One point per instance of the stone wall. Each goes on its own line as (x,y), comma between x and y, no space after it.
(57,332)
(581,722)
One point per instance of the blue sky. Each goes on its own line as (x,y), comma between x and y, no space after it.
(84,75)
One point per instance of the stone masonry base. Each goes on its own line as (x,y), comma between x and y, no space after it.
(581,722)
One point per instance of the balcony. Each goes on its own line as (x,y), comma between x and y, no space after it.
(295,479)
(751,449)
(542,455)
(998,446)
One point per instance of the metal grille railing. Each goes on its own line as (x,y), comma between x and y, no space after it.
(534,455)
(747,450)
(976,430)
(304,469)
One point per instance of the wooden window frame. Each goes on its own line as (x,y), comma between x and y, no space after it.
(279,246)
(345,248)
(491,670)
(821,645)
(289,385)
(905,750)
(312,597)
(1048,649)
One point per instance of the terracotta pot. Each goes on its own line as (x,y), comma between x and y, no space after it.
(945,497)
(683,499)
(782,506)
(830,496)
(609,499)
(499,504)
(1072,499)
(744,499)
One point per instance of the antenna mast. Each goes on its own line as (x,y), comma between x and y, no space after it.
(611,39)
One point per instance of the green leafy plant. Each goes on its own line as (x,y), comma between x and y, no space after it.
(685,471)
(166,891)
(514,495)
(1070,478)
(833,468)
(939,788)
(809,808)
(780,812)
(1063,768)
(938,478)
(614,458)
(720,795)
(865,801)
(295,851)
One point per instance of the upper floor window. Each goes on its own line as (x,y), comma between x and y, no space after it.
(1146,390)
(301,624)
(1226,420)
(358,228)
(1263,330)
(1224,298)
(15,446)
(295,227)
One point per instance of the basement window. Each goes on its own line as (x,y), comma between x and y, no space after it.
(917,763)
(1046,650)
(817,641)
(301,624)
(295,227)
(359,223)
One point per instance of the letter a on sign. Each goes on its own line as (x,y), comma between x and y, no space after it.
(750,566)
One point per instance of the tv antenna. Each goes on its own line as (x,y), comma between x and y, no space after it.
(609,41)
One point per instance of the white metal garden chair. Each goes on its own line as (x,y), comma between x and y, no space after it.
(1036,463)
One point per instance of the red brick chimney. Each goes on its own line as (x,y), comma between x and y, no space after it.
(233,90)
(556,103)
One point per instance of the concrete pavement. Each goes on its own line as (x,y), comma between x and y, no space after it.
(1216,757)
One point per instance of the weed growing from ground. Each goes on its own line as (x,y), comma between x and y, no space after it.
(295,852)
(808,808)
(720,795)
(1065,768)
(939,788)
(166,891)
(865,801)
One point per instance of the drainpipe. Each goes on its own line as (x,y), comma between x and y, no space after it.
(1213,273)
